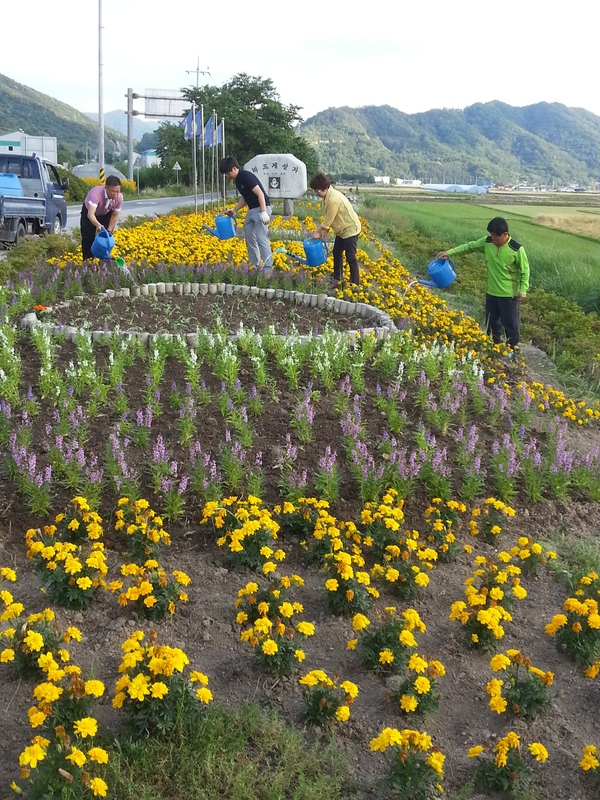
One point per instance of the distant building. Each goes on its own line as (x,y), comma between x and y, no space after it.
(149,159)
(22,144)
(382,179)
(93,171)
(407,182)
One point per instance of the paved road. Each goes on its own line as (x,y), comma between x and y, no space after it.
(140,208)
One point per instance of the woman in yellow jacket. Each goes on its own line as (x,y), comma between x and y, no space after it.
(343,220)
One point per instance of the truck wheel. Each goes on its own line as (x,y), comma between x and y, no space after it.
(20,231)
(56,226)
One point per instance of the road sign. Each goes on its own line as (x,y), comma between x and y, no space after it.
(176,166)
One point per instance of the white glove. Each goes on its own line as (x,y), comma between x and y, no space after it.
(264,217)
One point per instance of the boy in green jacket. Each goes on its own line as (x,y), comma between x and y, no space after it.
(508,279)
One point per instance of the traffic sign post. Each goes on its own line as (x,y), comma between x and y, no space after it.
(177,168)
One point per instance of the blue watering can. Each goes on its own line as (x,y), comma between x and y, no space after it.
(315,250)
(103,244)
(225,226)
(442,274)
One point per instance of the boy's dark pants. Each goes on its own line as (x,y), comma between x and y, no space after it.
(349,247)
(503,312)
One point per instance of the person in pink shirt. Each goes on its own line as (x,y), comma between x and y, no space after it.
(100,210)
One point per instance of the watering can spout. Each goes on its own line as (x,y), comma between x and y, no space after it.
(211,230)
(428,283)
(301,260)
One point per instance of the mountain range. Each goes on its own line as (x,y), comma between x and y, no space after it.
(117,120)
(541,143)
(23,108)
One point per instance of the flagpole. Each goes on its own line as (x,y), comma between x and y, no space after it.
(223,156)
(212,171)
(203,164)
(194,156)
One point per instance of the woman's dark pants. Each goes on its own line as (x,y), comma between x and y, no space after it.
(348,246)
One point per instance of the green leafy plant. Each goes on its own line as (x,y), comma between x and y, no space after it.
(415,769)
(150,589)
(417,694)
(326,702)
(524,691)
(71,573)
(578,631)
(386,643)
(153,689)
(502,768)
(266,615)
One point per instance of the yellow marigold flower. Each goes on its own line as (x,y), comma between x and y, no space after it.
(350,688)
(204,695)
(159,690)
(589,760)
(591,672)
(269,647)
(499,661)
(99,787)
(422,685)
(268,567)
(386,657)
(139,687)
(417,664)
(7,655)
(475,751)
(408,703)
(36,717)
(98,755)
(87,726)
(94,688)
(73,633)
(407,639)
(498,704)
(342,714)
(360,622)
(306,628)
(33,641)
(47,692)
(351,645)
(538,751)
(76,756)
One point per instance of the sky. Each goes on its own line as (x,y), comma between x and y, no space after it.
(413,56)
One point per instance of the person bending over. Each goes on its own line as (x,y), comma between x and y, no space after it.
(100,210)
(342,219)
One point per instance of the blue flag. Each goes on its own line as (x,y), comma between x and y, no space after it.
(220,133)
(209,132)
(186,126)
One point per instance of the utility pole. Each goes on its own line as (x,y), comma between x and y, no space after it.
(198,72)
(100,99)
(131,96)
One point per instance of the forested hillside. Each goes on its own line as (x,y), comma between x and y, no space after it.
(542,143)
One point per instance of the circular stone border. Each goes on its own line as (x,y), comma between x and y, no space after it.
(383,324)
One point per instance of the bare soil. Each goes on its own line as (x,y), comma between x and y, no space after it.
(205,628)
